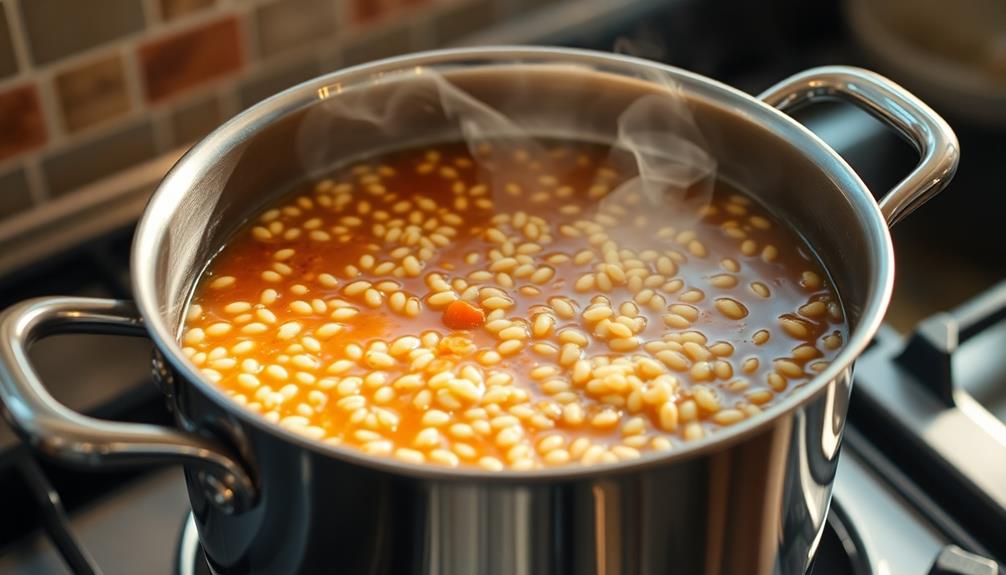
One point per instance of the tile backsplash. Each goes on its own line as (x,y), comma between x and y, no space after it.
(178,63)
(92,92)
(88,88)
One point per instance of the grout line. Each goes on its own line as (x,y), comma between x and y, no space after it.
(151,13)
(343,16)
(15,80)
(252,51)
(193,95)
(164,131)
(10,163)
(285,59)
(94,133)
(340,10)
(193,20)
(54,127)
(36,181)
(17,37)
(134,79)
(220,95)
(230,103)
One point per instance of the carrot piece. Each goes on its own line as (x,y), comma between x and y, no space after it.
(463,315)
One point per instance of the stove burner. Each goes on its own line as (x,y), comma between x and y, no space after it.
(840,552)
(190,559)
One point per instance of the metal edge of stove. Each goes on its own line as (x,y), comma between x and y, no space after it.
(896,538)
(899,527)
(952,432)
(851,539)
(918,442)
(188,548)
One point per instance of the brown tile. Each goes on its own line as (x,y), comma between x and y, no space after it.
(196,119)
(177,63)
(292,23)
(57,28)
(378,44)
(266,84)
(369,11)
(459,21)
(92,93)
(21,124)
(8,64)
(15,195)
(69,169)
(171,9)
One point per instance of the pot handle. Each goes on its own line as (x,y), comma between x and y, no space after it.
(896,107)
(78,440)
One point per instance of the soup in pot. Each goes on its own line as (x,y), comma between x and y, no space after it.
(420,307)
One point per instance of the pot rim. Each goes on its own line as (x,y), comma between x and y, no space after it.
(176,185)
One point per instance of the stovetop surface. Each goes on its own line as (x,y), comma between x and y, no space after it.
(873,529)
(900,497)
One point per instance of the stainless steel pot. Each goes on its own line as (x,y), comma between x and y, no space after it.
(750,499)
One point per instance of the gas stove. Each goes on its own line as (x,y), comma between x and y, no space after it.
(921,484)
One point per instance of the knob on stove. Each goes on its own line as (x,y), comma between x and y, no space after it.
(953,560)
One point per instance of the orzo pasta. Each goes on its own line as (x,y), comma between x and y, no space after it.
(418,306)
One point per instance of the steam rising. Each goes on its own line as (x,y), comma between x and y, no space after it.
(669,153)
(656,137)
(394,112)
